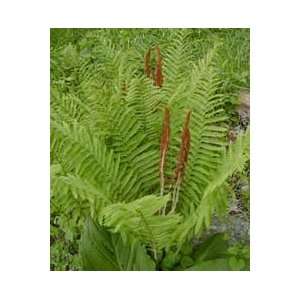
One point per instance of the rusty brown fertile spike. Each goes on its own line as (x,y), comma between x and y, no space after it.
(158,72)
(147,65)
(184,149)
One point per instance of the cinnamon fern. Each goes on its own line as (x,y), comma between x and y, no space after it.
(139,153)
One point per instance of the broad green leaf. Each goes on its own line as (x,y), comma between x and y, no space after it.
(214,247)
(102,250)
(186,261)
(187,249)
(170,260)
(220,264)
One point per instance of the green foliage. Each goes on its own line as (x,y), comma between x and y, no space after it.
(215,254)
(64,250)
(170,261)
(139,219)
(219,264)
(212,248)
(214,196)
(239,257)
(186,261)
(106,122)
(102,250)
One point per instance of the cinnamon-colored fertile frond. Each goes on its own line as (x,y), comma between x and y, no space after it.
(184,149)
(158,71)
(164,142)
(147,65)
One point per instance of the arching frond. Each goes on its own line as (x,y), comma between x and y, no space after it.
(92,160)
(140,219)
(232,160)
(208,133)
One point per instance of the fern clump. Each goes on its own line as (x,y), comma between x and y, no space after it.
(139,148)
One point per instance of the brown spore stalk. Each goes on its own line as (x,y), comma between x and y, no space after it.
(147,65)
(182,159)
(158,72)
(184,149)
(155,74)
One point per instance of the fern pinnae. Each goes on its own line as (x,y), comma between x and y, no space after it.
(150,233)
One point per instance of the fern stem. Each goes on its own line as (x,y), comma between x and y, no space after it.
(161,171)
(175,197)
(162,184)
(164,144)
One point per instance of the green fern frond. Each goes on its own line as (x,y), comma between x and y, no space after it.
(92,160)
(73,191)
(140,219)
(213,197)
(208,132)
(136,150)
(176,67)
(144,99)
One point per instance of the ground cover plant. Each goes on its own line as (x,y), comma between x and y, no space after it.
(142,161)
